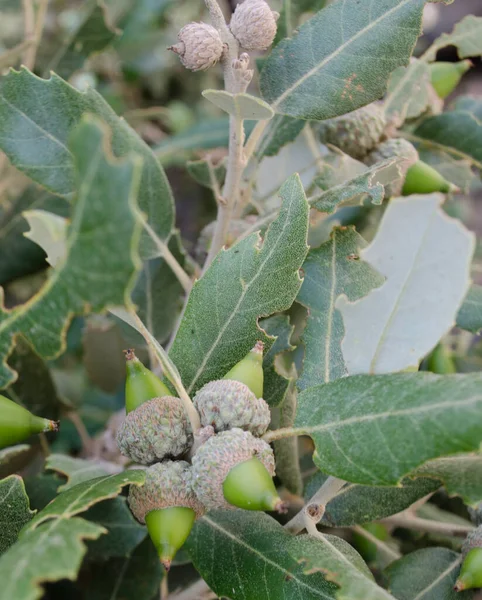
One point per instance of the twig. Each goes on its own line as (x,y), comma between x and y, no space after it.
(389,553)
(8,57)
(44,445)
(409,521)
(33,29)
(322,497)
(29,29)
(85,438)
(170,259)
(279,434)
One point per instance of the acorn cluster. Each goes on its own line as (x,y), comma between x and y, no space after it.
(223,465)
(200,45)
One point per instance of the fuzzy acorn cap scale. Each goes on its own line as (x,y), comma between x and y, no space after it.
(167,484)
(473,540)
(254,24)
(157,429)
(199,47)
(214,459)
(355,133)
(225,404)
(394,148)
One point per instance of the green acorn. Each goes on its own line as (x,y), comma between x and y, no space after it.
(471,571)
(235,469)
(168,506)
(141,384)
(356,133)
(18,424)
(235,400)
(440,361)
(394,148)
(445,76)
(421,178)
(157,429)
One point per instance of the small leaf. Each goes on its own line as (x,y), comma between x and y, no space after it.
(101,262)
(79,498)
(38,143)
(14,510)
(426,574)
(419,249)
(263,554)
(361,424)
(124,533)
(52,552)
(79,470)
(341,58)
(457,133)
(241,106)
(248,281)
(466,36)
(469,316)
(91,36)
(355,504)
(332,269)
(408,92)
(135,577)
(469,104)
(49,231)
(207,174)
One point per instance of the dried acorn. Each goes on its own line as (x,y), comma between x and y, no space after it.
(471,571)
(445,76)
(18,424)
(235,469)
(356,133)
(254,24)
(141,384)
(200,46)
(167,505)
(157,429)
(235,400)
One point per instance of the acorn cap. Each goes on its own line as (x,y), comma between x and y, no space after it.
(157,429)
(167,484)
(254,24)
(394,148)
(356,133)
(476,514)
(473,540)
(214,460)
(200,46)
(225,404)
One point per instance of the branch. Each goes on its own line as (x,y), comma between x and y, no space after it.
(279,434)
(409,521)
(33,29)
(389,553)
(327,492)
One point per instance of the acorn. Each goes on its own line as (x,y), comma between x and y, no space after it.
(157,429)
(446,76)
(235,469)
(254,24)
(421,178)
(18,424)
(440,361)
(168,506)
(356,133)
(471,571)
(141,384)
(394,148)
(235,400)
(200,46)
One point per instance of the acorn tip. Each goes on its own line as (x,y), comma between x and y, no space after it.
(280,507)
(459,586)
(258,347)
(53,425)
(166,563)
(129,354)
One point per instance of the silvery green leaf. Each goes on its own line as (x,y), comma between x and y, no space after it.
(425,256)
(341,58)
(14,510)
(241,106)
(408,92)
(469,316)
(466,36)
(49,231)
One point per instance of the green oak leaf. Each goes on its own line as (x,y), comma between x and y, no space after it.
(79,470)
(252,557)
(37,142)
(14,510)
(466,36)
(14,458)
(252,279)
(276,383)
(458,133)
(93,34)
(341,58)
(408,92)
(51,552)
(18,255)
(469,316)
(355,504)
(242,106)
(281,130)
(426,574)
(82,496)
(361,424)
(102,260)
(332,269)
(470,104)
(291,11)
(207,174)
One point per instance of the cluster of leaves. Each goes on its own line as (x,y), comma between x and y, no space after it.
(347,299)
